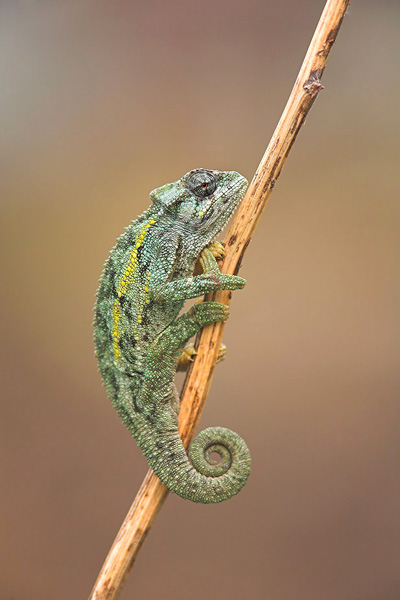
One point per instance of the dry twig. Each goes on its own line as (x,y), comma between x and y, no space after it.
(152,493)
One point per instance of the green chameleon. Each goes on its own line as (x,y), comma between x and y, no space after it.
(140,339)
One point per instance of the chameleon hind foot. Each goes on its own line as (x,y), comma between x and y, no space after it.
(167,347)
(171,341)
(189,353)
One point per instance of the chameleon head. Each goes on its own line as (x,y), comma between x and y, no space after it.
(202,200)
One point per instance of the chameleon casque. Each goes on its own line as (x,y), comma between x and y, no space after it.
(139,337)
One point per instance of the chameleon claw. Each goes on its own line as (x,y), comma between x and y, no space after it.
(187,357)
(217,249)
(221,353)
(189,353)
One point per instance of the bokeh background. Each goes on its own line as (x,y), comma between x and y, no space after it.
(102,102)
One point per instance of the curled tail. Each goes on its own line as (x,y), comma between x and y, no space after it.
(148,407)
(156,427)
(204,480)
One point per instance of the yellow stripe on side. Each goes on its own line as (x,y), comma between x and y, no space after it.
(126,280)
(116,318)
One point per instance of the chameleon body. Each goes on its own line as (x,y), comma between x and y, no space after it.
(139,336)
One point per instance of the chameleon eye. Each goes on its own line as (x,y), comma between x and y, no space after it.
(201,183)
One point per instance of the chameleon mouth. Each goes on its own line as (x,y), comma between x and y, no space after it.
(221,208)
(236,187)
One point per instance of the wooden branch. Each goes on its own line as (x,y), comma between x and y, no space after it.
(152,492)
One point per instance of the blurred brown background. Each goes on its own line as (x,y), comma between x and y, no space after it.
(104,101)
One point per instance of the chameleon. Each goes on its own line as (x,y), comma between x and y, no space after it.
(140,337)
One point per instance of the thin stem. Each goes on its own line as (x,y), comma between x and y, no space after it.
(152,492)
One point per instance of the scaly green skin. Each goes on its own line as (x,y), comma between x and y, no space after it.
(139,336)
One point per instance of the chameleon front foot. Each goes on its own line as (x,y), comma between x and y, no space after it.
(217,249)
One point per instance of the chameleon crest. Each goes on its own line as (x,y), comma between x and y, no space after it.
(139,337)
